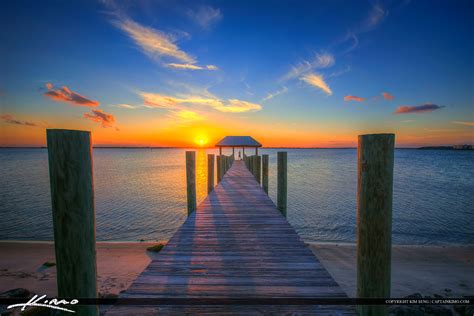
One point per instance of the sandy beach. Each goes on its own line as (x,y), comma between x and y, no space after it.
(429,270)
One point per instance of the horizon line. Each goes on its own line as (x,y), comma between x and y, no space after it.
(209,147)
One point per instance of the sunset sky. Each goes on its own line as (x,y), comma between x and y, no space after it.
(289,73)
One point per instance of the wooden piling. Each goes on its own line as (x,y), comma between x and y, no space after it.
(265,173)
(374,219)
(191,180)
(210,173)
(218,168)
(255,167)
(259,169)
(72,196)
(282,182)
(252,164)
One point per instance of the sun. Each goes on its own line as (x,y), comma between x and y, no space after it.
(201,140)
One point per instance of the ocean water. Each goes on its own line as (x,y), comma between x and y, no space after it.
(140,194)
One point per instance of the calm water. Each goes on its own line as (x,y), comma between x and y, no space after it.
(140,194)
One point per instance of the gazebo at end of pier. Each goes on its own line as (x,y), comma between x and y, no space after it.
(238,141)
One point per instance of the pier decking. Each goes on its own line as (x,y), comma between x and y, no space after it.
(236,246)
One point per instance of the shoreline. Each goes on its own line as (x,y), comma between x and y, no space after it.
(444,270)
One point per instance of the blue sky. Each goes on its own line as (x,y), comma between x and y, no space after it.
(314,71)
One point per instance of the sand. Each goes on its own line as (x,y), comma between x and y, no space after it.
(118,265)
(426,270)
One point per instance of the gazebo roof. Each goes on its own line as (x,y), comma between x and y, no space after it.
(238,141)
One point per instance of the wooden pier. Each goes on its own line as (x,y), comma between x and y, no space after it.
(236,253)
(237,246)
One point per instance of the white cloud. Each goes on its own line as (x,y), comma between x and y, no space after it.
(320,61)
(317,80)
(465,123)
(186,116)
(157,100)
(192,67)
(126,106)
(239,106)
(153,42)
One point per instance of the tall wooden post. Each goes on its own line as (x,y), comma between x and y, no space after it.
(252,165)
(218,168)
(265,173)
(191,180)
(255,167)
(374,219)
(233,152)
(210,173)
(256,151)
(259,169)
(282,182)
(72,196)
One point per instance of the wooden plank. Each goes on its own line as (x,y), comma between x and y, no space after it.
(236,245)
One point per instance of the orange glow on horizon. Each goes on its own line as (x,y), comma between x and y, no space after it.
(163,132)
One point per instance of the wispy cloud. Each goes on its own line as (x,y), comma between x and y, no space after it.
(465,123)
(239,106)
(374,18)
(192,67)
(320,61)
(186,116)
(388,96)
(169,102)
(126,106)
(99,116)
(275,93)
(317,80)
(64,94)
(428,107)
(353,98)
(9,119)
(205,16)
(376,15)
(159,45)
(339,72)
(152,42)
